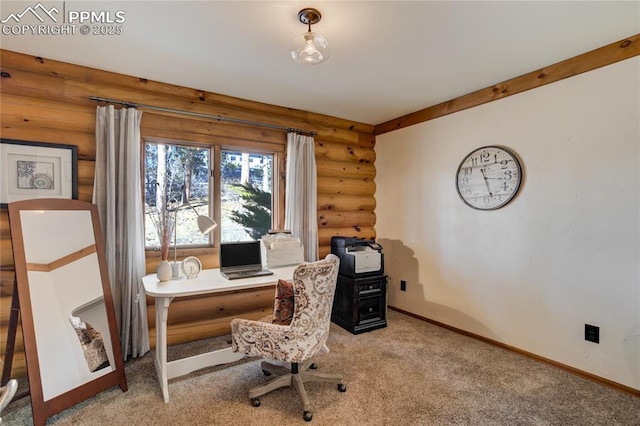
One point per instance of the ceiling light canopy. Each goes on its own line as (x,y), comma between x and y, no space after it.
(310,48)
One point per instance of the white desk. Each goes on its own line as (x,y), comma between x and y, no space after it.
(209,281)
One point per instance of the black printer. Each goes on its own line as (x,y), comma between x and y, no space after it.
(358,257)
(360,302)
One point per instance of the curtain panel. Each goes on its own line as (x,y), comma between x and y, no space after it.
(117,193)
(301,212)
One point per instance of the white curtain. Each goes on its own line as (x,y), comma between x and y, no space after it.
(117,192)
(301,213)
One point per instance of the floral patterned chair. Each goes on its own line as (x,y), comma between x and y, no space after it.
(295,342)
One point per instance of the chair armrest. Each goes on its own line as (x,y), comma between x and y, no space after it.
(273,341)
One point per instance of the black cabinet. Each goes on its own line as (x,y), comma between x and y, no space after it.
(360,304)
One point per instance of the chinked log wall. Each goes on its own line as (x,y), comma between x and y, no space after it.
(48,101)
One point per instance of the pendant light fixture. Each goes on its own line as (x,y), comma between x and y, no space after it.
(310,48)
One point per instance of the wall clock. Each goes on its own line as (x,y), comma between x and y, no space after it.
(191,266)
(489,177)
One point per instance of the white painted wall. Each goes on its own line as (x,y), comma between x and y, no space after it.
(564,253)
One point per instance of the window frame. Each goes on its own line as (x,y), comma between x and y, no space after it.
(215,191)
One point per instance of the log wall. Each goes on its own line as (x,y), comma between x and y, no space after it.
(48,101)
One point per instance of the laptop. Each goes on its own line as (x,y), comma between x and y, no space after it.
(241,260)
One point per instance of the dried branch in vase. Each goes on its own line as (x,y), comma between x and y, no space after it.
(164,220)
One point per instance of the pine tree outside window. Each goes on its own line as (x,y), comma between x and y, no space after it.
(246,183)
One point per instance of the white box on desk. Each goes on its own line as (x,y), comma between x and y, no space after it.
(281,251)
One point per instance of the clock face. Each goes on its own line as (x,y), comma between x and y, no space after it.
(489,177)
(191,266)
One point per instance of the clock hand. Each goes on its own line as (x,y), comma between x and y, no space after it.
(486,182)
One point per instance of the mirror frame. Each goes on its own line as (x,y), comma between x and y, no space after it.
(43,409)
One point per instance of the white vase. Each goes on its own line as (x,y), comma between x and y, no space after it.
(164,271)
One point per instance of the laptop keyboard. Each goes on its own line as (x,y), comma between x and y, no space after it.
(247,274)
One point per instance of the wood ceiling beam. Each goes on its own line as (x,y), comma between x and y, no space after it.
(609,54)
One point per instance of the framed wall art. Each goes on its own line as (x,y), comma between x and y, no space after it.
(32,170)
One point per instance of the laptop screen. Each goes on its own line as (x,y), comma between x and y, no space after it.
(246,253)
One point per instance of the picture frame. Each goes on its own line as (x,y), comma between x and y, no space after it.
(31,170)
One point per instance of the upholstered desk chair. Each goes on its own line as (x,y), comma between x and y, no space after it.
(305,336)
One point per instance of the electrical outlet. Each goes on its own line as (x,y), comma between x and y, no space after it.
(403,285)
(592,333)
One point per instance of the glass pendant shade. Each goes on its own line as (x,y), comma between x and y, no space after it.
(310,48)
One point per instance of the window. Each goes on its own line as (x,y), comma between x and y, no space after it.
(179,175)
(246,184)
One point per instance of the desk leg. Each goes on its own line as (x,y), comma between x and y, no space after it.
(162,312)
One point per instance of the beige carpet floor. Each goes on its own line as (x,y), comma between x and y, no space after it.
(410,373)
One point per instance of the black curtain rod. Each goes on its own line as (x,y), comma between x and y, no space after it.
(202,115)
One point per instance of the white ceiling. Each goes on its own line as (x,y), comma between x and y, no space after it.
(388,58)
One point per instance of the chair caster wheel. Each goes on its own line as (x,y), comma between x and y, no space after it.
(307,416)
(266,373)
(255,402)
(342,387)
(313,366)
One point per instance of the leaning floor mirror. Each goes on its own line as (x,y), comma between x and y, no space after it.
(70,333)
